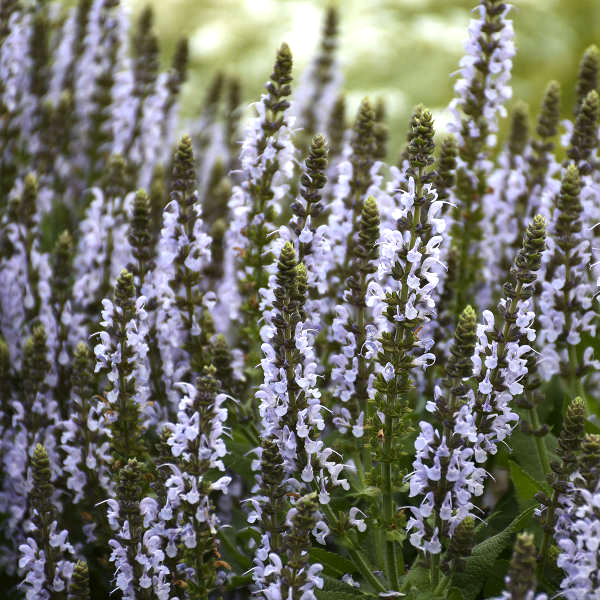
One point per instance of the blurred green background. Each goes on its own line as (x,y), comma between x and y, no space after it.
(401,50)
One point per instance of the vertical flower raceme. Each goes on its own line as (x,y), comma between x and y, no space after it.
(183,322)
(319,86)
(24,266)
(444,182)
(566,301)
(71,49)
(541,184)
(34,419)
(280,396)
(509,189)
(267,163)
(569,444)
(336,134)
(576,531)
(85,442)
(584,137)
(135,550)
(102,249)
(403,303)
(143,251)
(587,78)
(501,355)
(353,184)
(100,134)
(61,320)
(481,90)
(120,358)
(521,579)
(46,556)
(232,122)
(380,131)
(215,210)
(311,241)
(298,578)
(352,370)
(445,471)
(175,80)
(206,136)
(194,477)
(582,151)
(15,68)
(145,71)
(268,514)
(445,171)
(289,398)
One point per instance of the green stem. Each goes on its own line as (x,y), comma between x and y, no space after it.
(435,570)
(365,570)
(388,508)
(539,440)
(393,559)
(547,529)
(357,556)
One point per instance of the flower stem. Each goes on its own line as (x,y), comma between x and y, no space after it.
(539,440)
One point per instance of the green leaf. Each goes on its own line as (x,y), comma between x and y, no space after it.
(481,563)
(327,595)
(333,564)
(418,578)
(247,533)
(396,535)
(526,455)
(231,551)
(525,485)
(495,583)
(239,581)
(366,492)
(455,594)
(334,589)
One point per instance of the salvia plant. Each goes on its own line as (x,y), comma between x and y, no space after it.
(262,360)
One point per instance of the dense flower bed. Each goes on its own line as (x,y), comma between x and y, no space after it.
(274,363)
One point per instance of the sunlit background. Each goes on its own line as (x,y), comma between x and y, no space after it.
(401,50)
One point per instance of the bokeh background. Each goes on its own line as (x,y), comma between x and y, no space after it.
(401,50)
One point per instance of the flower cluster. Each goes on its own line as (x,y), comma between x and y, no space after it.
(274,363)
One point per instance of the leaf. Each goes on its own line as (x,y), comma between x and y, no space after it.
(396,535)
(238,581)
(366,492)
(418,578)
(525,453)
(334,589)
(230,549)
(495,583)
(525,485)
(247,533)
(333,564)
(337,595)
(481,563)
(455,594)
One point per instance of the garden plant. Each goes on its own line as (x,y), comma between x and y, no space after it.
(253,356)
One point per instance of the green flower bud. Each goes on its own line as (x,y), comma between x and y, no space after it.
(587,78)
(585,133)
(519,130)
(79,586)
(571,434)
(420,139)
(445,172)
(523,564)
(547,124)
(589,461)
(461,352)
